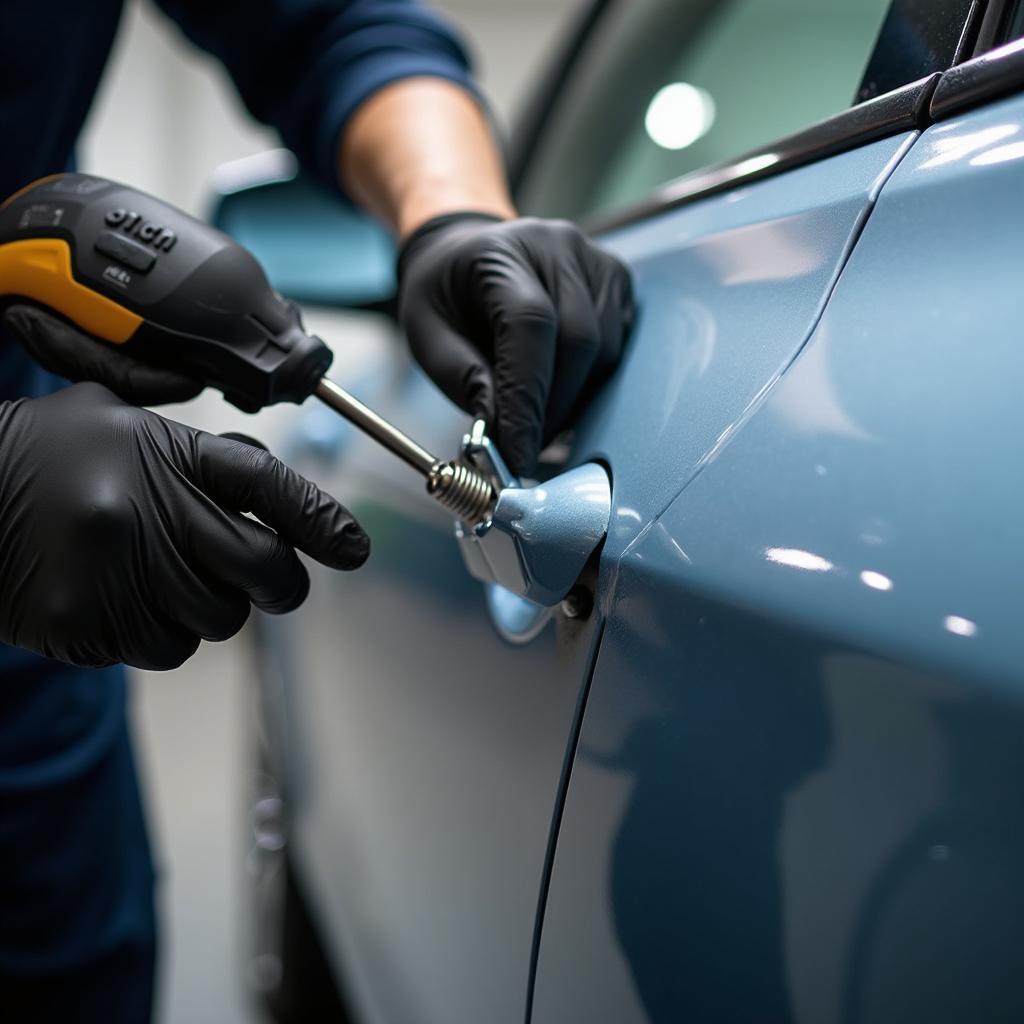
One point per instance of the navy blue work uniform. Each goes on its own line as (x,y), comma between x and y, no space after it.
(77,930)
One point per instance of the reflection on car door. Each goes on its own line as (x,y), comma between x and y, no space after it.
(797,793)
(433,748)
(730,290)
(434,753)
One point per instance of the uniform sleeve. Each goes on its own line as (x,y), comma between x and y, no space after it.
(304,66)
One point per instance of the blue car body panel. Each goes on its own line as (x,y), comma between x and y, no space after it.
(424,753)
(796,792)
(428,754)
(728,291)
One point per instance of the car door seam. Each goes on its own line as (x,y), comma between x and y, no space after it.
(720,444)
(558,810)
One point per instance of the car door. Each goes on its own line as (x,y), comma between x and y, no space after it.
(430,744)
(794,795)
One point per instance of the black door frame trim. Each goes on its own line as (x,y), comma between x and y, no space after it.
(987,77)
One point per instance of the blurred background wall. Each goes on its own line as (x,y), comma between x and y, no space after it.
(165,118)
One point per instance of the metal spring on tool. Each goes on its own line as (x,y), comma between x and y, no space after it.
(462,490)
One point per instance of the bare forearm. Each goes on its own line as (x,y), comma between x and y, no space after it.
(420,148)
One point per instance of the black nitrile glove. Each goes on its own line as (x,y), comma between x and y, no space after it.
(122,538)
(517,321)
(66,351)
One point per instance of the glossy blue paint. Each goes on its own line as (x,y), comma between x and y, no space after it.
(429,749)
(438,747)
(424,750)
(796,796)
(728,290)
(539,539)
(516,619)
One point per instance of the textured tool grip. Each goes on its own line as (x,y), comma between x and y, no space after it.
(132,270)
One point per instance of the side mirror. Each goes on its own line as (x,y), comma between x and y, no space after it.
(314,248)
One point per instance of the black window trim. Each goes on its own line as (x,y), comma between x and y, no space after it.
(986,77)
(995,22)
(909,108)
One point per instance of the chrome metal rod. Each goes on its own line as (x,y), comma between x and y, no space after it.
(379,429)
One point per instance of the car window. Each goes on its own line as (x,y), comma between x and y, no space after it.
(669,86)
(918,38)
(1016,26)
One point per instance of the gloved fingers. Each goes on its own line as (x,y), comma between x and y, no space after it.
(204,607)
(252,560)
(615,312)
(525,326)
(248,479)
(456,365)
(165,646)
(85,634)
(253,442)
(64,350)
(611,288)
(579,345)
(103,611)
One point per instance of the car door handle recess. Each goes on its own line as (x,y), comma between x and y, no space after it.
(537,539)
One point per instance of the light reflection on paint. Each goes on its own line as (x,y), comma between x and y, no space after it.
(797,559)
(949,150)
(999,155)
(679,551)
(960,626)
(875,580)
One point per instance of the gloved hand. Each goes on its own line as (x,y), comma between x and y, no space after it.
(517,321)
(66,351)
(122,539)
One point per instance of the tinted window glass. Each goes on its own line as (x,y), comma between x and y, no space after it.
(917,38)
(1017,23)
(669,86)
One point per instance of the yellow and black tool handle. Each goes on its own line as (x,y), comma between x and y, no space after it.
(131,270)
